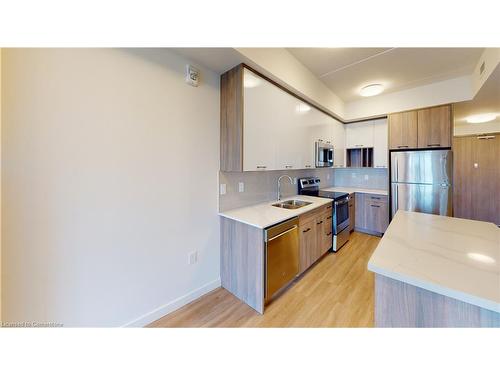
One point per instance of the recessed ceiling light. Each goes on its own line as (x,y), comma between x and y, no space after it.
(251,81)
(481,258)
(372,90)
(303,107)
(482,117)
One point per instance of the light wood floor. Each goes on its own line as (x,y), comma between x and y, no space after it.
(335,292)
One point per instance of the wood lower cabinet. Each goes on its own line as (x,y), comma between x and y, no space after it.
(352,211)
(403,130)
(476,177)
(372,213)
(434,127)
(315,236)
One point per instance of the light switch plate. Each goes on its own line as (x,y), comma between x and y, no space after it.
(222,189)
(241,187)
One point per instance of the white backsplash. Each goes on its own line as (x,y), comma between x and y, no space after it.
(370,178)
(262,186)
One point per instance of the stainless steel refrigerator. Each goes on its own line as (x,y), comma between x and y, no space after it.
(421,181)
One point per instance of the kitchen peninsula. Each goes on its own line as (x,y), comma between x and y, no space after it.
(437,271)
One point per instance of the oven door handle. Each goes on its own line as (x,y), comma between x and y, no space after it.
(343,201)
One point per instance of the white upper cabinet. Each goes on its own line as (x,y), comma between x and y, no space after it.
(262,107)
(359,134)
(380,143)
(338,144)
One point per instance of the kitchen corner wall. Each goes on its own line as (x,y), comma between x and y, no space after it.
(262,186)
(369,178)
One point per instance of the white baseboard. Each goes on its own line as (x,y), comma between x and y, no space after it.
(177,303)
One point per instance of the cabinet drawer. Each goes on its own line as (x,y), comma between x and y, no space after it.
(375,198)
(308,216)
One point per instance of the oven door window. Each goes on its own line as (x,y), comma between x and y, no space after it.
(342,213)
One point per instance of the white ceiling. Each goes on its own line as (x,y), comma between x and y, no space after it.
(487,100)
(346,70)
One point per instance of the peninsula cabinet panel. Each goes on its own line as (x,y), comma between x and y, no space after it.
(403,130)
(434,127)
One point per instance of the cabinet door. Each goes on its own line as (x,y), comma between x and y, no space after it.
(377,214)
(338,144)
(434,127)
(327,232)
(359,134)
(360,211)
(263,104)
(289,153)
(307,235)
(320,237)
(352,212)
(403,130)
(380,143)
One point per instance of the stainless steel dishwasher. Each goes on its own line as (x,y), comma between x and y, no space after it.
(281,257)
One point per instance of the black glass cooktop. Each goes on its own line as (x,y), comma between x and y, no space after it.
(324,194)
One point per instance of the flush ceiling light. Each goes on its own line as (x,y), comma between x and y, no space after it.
(251,81)
(482,117)
(372,90)
(481,257)
(303,108)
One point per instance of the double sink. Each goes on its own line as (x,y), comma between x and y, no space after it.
(291,204)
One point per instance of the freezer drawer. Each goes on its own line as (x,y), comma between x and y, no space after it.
(431,199)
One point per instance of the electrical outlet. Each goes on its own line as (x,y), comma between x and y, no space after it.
(241,187)
(295,180)
(193,257)
(222,189)
(353,175)
(366,177)
(328,176)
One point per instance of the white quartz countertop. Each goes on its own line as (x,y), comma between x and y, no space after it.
(263,215)
(454,257)
(350,190)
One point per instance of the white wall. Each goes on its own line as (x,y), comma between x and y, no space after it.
(444,92)
(470,129)
(284,68)
(109,181)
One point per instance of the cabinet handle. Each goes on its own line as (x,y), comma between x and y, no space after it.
(261,167)
(434,145)
(321,222)
(374,205)
(288,166)
(402,146)
(358,145)
(375,198)
(307,230)
(329,233)
(308,166)
(486,137)
(380,166)
(328,218)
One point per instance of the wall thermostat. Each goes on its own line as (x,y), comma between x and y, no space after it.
(192,75)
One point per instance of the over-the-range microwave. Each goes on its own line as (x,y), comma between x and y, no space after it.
(324,154)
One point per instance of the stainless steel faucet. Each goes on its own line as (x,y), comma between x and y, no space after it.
(279,184)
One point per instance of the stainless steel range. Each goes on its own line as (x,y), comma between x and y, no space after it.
(340,205)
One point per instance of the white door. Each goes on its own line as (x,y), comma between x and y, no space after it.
(380,143)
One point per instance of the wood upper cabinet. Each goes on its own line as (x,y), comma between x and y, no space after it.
(434,127)
(403,130)
(424,128)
